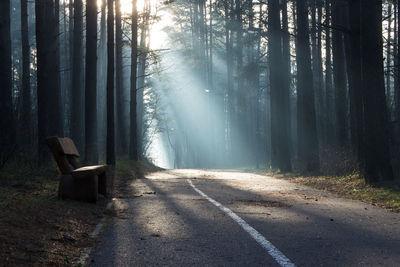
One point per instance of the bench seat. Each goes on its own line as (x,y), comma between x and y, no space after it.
(88,171)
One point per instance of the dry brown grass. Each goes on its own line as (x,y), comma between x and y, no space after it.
(37,229)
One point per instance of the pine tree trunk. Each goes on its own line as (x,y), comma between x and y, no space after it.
(397,73)
(307,136)
(144,47)
(91,149)
(280,158)
(320,82)
(133,145)
(229,90)
(377,153)
(26,129)
(55,121)
(110,148)
(7,123)
(77,77)
(355,85)
(286,72)
(388,61)
(339,76)
(396,68)
(48,87)
(122,143)
(329,100)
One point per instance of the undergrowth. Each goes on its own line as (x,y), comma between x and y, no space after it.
(352,186)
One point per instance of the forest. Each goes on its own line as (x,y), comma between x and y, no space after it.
(310,87)
(199,132)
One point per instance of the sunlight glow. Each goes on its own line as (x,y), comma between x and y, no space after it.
(126,5)
(157,36)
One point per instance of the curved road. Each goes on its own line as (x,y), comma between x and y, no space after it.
(227,218)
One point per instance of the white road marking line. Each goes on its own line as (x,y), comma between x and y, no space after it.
(278,256)
(99,226)
(86,252)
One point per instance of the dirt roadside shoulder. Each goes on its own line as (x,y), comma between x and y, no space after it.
(38,229)
(385,195)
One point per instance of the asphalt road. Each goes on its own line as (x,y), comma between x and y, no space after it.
(226,218)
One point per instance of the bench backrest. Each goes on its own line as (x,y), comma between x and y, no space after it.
(64,152)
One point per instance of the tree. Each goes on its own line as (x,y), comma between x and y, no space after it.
(280,156)
(286,73)
(229,70)
(397,74)
(48,89)
(7,139)
(122,142)
(91,149)
(76,90)
(377,153)
(56,121)
(355,86)
(133,145)
(329,99)
(307,130)
(339,77)
(110,84)
(142,59)
(26,117)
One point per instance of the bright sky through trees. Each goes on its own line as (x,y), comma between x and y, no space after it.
(157,35)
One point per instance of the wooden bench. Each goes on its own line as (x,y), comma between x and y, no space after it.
(76,182)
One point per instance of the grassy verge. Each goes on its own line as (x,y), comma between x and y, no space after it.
(385,195)
(37,229)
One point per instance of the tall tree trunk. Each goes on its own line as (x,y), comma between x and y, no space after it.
(329,99)
(144,47)
(91,149)
(7,123)
(229,89)
(133,144)
(76,90)
(339,76)
(397,72)
(241,93)
(210,68)
(48,89)
(102,81)
(320,88)
(355,86)
(377,153)
(110,84)
(56,120)
(286,72)
(280,156)
(26,130)
(42,77)
(259,125)
(396,82)
(388,61)
(307,135)
(122,143)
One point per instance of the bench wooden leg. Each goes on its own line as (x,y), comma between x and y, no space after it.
(103,184)
(87,188)
(66,187)
(84,189)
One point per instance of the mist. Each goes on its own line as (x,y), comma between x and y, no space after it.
(205,84)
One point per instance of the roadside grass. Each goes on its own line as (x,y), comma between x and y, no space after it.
(36,228)
(125,166)
(384,194)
